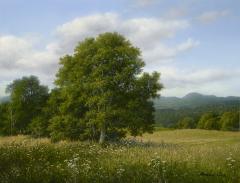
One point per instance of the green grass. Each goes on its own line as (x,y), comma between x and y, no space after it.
(179,156)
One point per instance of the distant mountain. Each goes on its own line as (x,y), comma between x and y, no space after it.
(4,99)
(169,110)
(193,100)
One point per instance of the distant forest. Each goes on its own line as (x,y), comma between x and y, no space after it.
(198,111)
(194,111)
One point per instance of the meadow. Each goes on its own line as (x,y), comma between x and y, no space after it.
(166,156)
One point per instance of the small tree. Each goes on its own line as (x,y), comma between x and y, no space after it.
(209,121)
(212,124)
(103,86)
(230,121)
(186,122)
(27,99)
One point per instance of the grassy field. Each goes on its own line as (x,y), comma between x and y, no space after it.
(179,156)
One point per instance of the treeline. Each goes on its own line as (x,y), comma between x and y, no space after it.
(101,94)
(27,103)
(223,112)
(229,120)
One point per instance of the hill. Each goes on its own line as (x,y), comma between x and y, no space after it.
(169,110)
(193,100)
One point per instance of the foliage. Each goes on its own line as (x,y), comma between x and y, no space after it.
(104,90)
(39,126)
(230,121)
(211,124)
(67,127)
(208,121)
(186,122)
(209,117)
(169,117)
(5,126)
(27,99)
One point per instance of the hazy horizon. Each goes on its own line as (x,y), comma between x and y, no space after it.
(193,44)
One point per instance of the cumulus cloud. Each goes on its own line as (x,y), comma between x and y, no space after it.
(20,53)
(144,32)
(12,50)
(212,16)
(22,56)
(202,77)
(208,81)
(164,54)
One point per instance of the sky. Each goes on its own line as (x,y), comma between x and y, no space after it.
(194,44)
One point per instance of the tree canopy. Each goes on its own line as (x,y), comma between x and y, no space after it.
(230,121)
(186,122)
(27,99)
(105,90)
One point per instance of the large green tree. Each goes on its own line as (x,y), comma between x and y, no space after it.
(27,100)
(104,90)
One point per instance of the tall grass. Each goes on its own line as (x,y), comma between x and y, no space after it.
(166,156)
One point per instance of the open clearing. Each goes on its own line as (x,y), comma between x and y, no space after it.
(164,156)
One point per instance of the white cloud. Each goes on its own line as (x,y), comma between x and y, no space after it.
(22,56)
(20,53)
(178,77)
(187,45)
(208,81)
(211,16)
(144,32)
(164,54)
(19,56)
(144,3)
(147,33)
(12,50)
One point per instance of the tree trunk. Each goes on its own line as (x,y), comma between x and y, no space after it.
(102,135)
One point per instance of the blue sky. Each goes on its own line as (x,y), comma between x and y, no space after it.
(193,43)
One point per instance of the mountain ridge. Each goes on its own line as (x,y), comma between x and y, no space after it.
(192,100)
